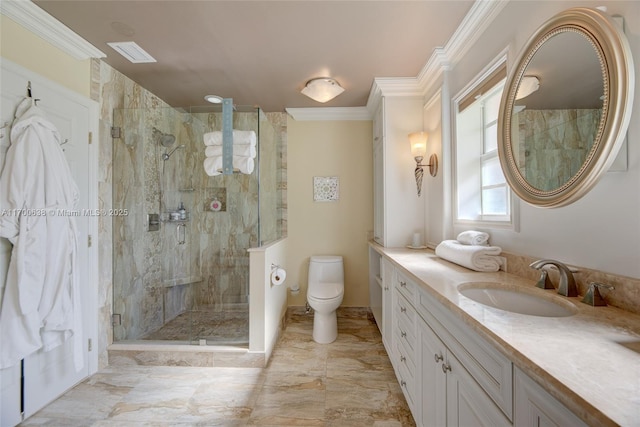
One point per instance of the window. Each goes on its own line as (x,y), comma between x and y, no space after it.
(481,194)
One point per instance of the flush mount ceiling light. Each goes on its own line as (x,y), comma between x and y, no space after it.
(132,52)
(214,99)
(528,85)
(322,89)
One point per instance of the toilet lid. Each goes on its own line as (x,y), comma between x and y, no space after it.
(327,290)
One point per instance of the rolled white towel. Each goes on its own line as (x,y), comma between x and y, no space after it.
(478,258)
(213,165)
(240,137)
(473,238)
(238,150)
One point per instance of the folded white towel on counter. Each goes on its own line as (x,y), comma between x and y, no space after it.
(213,165)
(473,238)
(475,257)
(246,150)
(239,137)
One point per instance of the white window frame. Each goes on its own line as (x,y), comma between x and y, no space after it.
(475,189)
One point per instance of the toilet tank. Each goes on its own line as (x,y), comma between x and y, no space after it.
(326,269)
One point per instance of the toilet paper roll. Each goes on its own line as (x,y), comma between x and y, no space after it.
(277,276)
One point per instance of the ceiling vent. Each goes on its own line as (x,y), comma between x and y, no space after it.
(132,52)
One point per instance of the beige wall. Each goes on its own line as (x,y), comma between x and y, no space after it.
(21,46)
(330,148)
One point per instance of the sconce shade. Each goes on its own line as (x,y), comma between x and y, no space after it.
(322,89)
(418,141)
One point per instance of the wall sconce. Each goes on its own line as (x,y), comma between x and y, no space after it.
(418,141)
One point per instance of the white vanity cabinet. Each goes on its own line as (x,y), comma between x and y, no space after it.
(450,395)
(404,356)
(534,407)
(397,210)
(449,374)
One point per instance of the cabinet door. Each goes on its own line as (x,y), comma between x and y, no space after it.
(387,304)
(467,403)
(433,379)
(378,193)
(534,407)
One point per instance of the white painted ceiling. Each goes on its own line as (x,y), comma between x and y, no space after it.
(263,52)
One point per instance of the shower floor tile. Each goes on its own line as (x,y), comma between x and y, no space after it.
(217,327)
(349,382)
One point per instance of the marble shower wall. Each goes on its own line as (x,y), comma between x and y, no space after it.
(553,144)
(156,278)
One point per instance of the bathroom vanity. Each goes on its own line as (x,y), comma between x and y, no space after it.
(461,362)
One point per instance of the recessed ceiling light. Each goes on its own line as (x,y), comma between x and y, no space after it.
(214,99)
(132,52)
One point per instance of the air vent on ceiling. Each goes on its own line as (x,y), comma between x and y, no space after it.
(132,52)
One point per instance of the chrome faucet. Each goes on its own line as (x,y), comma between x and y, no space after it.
(567,285)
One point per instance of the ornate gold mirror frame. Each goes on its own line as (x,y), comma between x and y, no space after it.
(614,54)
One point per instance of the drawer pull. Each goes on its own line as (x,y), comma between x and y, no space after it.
(446,368)
(403,284)
(403,310)
(403,334)
(403,383)
(438,357)
(402,358)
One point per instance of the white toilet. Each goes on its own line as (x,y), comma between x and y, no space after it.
(324,294)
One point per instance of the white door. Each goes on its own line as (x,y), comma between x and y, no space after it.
(49,374)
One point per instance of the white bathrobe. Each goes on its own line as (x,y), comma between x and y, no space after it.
(40,307)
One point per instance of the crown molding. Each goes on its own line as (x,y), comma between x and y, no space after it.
(475,22)
(329,113)
(39,22)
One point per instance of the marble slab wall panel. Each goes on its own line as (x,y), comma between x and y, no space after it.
(553,144)
(279,123)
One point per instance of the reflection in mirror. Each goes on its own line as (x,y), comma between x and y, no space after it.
(555,126)
(556,140)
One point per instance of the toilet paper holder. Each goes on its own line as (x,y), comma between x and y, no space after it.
(278,274)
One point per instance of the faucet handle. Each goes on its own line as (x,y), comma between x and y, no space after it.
(544,282)
(593,296)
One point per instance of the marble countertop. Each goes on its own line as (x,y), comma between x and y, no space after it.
(589,361)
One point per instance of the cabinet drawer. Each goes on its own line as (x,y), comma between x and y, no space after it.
(405,334)
(407,382)
(491,369)
(405,311)
(406,287)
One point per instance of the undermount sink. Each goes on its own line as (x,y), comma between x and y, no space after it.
(517,299)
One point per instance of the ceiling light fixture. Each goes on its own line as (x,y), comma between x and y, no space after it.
(527,86)
(214,99)
(322,89)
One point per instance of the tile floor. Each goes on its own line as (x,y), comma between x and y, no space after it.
(349,382)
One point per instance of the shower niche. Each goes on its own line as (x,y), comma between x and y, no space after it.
(188,280)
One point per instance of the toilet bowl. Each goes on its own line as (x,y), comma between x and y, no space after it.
(324,294)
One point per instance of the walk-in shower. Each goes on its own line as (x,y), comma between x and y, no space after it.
(180,260)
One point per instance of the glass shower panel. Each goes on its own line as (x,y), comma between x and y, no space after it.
(180,259)
(152,259)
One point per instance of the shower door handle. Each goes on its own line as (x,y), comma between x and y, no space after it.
(181,237)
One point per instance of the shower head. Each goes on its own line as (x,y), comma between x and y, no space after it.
(164,139)
(166,156)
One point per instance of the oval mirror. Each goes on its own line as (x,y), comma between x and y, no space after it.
(565,108)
